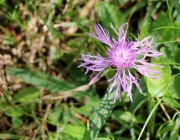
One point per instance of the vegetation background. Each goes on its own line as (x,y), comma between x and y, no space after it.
(45,96)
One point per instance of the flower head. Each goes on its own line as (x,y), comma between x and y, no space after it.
(121,55)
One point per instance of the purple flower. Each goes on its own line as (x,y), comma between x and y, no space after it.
(121,55)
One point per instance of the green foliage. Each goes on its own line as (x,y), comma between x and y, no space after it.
(101,139)
(169,100)
(26,94)
(14,112)
(77,132)
(144,31)
(125,116)
(42,41)
(159,86)
(106,106)
(108,13)
(162,20)
(40,80)
(10,136)
(174,87)
(174,133)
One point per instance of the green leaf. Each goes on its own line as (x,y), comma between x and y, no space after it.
(176,31)
(121,2)
(77,76)
(14,112)
(58,1)
(26,94)
(174,133)
(137,96)
(164,128)
(144,31)
(78,132)
(108,13)
(40,80)
(61,114)
(167,51)
(169,54)
(170,101)
(125,116)
(55,115)
(8,41)
(9,136)
(163,34)
(174,87)
(106,106)
(159,87)
(101,139)
(17,122)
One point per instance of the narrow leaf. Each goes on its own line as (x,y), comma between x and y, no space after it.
(40,80)
(144,31)
(175,130)
(170,101)
(9,136)
(106,106)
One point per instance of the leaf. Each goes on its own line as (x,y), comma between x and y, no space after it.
(170,101)
(144,31)
(106,106)
(9,136)
(176,31)
(108,13)
(61,114)
(175,130)
(166,50)
(169,54)
(17,122)
(174,87)
(8,41)
(40,80)
(58,2)
(101,139)
(125,116)
(77,76)
(121,2)
(26,94)
(137,96)
(163,34)
(159,87)
(55,115)
(164,128)
(14,112)
(78,132)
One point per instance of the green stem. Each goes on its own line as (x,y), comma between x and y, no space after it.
(152,111)
(171,22)
(152,119)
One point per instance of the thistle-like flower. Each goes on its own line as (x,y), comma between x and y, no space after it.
(121,55)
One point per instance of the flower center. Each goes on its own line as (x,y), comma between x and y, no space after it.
(121,55)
